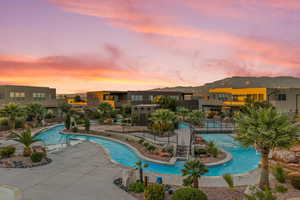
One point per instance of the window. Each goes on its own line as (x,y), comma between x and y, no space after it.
(282,97)
(137,98)
(151,97)
(17,96)
(39,96)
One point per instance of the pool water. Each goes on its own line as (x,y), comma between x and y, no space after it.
(244,160)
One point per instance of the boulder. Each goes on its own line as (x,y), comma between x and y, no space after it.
(285,156)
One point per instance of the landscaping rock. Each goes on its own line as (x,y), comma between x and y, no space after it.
(285,156)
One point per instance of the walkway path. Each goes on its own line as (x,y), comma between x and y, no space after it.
(81,172)
(184,136)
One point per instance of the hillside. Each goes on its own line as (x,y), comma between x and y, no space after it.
(240,82)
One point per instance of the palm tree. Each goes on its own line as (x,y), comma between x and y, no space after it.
(64,109)
(196,117)
(105,109)
(266,129)
(27,140)
(36,112)
(140,166)
(182,113)
(163,120)
(194,169)
(12,111)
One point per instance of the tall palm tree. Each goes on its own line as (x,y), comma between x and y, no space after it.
(12,111)
(194,169)
(182,113)
(105,109)
(64,109)
(27,140)
(196,117)
(266,129)
(140,166)
(163,120)
(37,112)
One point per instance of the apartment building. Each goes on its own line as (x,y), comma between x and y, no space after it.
(27,94)
(220,99)
(118,98)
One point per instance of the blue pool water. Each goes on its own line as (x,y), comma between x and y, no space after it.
(244,160)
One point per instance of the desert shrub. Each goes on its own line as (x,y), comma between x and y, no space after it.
(189,194)
(187,181)
(4,122)
(87,124)
(75,129)
(169,149)
(37,157)
(146,144)
(154,192)
(141,141)
(295,181)
(200,151)
(7,152)
(280,188)
(136,187)
(151,147)
(266,194)
(229,180)
(279,174)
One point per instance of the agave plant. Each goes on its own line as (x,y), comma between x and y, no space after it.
(27,140)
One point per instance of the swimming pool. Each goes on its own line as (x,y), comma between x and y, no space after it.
(244,160)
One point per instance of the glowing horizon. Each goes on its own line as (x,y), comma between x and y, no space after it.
(86,45)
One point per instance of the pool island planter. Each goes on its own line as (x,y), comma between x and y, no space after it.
(172,161)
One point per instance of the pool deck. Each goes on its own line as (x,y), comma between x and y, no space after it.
(81,172)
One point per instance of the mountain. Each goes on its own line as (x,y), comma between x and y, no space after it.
(240,82)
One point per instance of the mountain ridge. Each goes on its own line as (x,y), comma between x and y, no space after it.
(239,82)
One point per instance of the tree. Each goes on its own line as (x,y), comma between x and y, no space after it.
(64,109)
(36,112)
(162,121)
(27,140)
(265,129)
(182,113)
(87,124)
(196,117)
(140,166)
(126,109)
(105,109)
(166,102)
(194,169)
(12,111)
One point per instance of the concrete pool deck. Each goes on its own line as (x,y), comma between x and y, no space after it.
(80,172)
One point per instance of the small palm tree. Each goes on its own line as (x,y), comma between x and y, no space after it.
(194,169)
(266,129)
(105,109)
(12,111)
(196,117)
(37,112)
(140,166)
(27,140)
(163,120)
(182,113)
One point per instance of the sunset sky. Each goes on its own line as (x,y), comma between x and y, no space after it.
(84,45)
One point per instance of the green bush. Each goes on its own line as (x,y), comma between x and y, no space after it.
(188,181)
(200,151)
(154,192)
(189,194)
(4,122)
(295,181)
(20,121)
(229,180)
(75,129)
(280,188)
(7,152)
(141,141)
(151,147)
(146,144)
(214,151)
(279,174)
(136,187)
(262,195)
(37,157)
